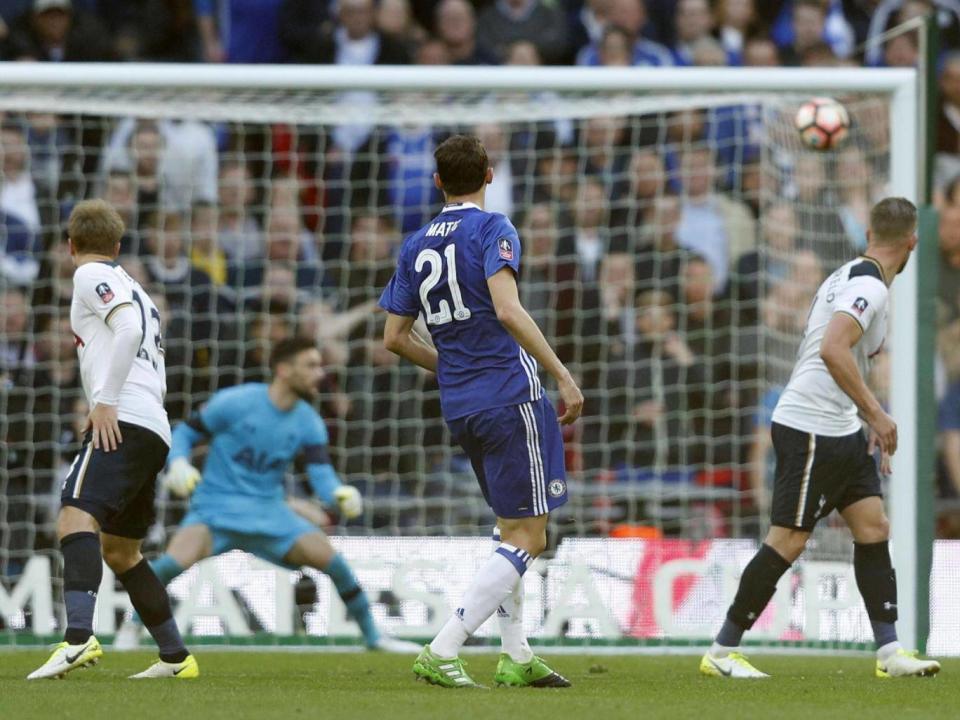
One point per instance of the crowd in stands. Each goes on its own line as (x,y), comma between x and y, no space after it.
(668,273)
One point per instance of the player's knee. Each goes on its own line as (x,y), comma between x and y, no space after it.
(789,544)
(874,531)
(120,559)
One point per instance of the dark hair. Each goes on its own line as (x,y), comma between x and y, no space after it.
(289,348)
(462,164)
(95,227)
(892,219)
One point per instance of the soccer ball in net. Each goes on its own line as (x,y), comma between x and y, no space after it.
(823,123)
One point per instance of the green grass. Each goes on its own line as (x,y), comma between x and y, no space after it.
(265,686)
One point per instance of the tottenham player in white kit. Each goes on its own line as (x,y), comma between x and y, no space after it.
(108,497)
(824,461)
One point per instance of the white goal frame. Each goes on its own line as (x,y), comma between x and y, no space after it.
(902,86)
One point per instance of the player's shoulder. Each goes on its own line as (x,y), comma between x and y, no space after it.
(247,392)
(865,272)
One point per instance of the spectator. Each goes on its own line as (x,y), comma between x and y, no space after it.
(858,192)
(591,230)
(268,326)
(902,51)
(355,40)
(819,54)
(760,51)
(432,52)
(151,30)
(118,190)
(235,31)
(949,441)
(712,225)
(615,48)
(54,31)
(16,349)
(631,15)
(18,251)
(949,283)
(48,141)
(693,23)
(734,20)
(803,24)
(772,260)
(205,252)
(661,261)
(818,218)
(524,53)
(893,12)
(238,234)
(455,23)
(283,247)
(708,52)
(948,120)
(18,193)
(632,209)
(143,160)
(587,21)
(500,193)
(182,154)
(395,20)
(548,271)
(371,264)
(189,291)
(536,21)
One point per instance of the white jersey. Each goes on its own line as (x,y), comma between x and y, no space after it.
(99,289)
(812,401)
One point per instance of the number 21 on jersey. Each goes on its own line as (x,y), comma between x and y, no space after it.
(432,258)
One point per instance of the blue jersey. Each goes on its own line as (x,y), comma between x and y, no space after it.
(442,272)
(252,444)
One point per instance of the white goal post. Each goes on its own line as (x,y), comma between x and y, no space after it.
(22,83)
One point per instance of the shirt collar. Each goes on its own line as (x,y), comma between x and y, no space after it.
(450,207)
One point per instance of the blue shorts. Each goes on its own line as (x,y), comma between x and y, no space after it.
(517,453)
(271,546)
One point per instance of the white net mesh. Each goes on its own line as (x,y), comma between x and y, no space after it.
(672,244)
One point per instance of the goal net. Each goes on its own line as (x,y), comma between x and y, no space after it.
(673,237)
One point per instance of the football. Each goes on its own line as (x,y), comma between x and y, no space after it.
(823,123)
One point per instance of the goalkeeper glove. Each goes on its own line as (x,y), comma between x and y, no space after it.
(349,500)
(181,478)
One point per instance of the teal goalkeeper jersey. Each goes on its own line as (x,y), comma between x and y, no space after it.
(252,444)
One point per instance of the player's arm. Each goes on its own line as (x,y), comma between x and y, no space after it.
(323,478)
(843,332)
(400,337)
(513,316)
(182,477)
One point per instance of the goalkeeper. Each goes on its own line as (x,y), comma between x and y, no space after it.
(255,431)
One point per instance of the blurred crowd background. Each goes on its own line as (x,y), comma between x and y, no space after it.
(669,257)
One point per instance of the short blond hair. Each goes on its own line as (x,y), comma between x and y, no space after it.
(893,220)
(95,227)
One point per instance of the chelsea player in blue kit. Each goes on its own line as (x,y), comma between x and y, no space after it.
(255,432)
(460,272)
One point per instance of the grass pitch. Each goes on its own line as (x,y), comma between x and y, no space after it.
(265,686)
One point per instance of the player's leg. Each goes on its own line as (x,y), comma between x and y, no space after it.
(85,504)
(517,455)
(513,639)
(313,549)
(192,542)
(149,598)
(877,583)
(802,470)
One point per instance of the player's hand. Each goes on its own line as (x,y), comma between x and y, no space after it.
(181,478)
(103,424)
(349,500)
(886,468)
(884,432)
(572,401)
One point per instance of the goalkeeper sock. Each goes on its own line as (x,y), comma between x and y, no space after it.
(149,597)
(513,640)
(877,583)
(82,573)
(166,568)
(757,585)
(353,596)
(492,585)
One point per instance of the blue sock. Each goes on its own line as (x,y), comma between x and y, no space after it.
(166,569)
(354,598)
(149,597)
(82,573)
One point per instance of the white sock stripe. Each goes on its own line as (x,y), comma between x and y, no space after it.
(530,376)
(805,483)
(538,456)
(534,494)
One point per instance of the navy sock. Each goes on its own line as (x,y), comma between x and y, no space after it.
(166,569)
(82,573)
(353,596)
(149,598)
(877,582)
(757,585)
